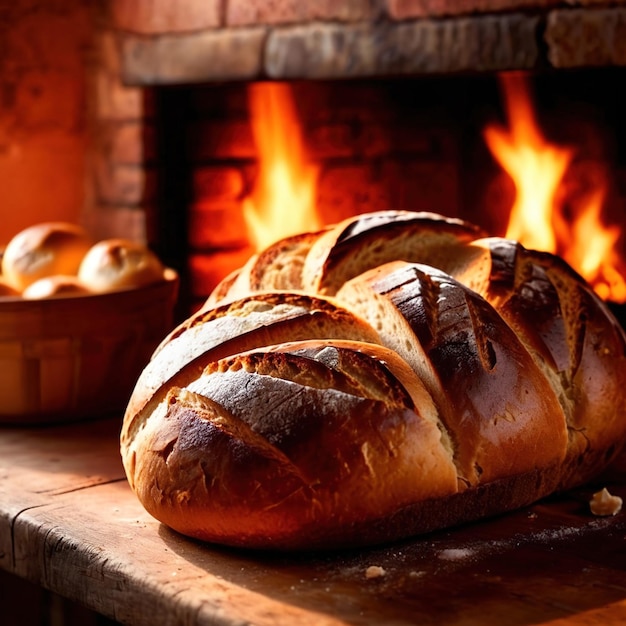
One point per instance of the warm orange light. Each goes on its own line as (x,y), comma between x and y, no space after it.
(535,166)
(537,218)
(593,253)
(283,200)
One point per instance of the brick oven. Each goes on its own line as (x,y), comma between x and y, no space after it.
(392,95)
(132,117)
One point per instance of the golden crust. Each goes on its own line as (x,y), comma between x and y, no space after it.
(492,397)
(252,322)
(412,399)
(368,241)
(240,447)
(575,341)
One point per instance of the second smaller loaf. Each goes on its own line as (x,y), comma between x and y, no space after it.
(394,374)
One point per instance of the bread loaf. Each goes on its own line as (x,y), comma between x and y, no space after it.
(396,373)
(57,286)
(43,250)
(114,264)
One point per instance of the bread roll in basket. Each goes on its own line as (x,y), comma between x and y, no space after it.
(78,322)
(390,375)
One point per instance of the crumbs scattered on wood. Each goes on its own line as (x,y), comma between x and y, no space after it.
(603,503)
(374,571)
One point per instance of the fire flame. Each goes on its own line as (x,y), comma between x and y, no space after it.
(538,219)
(283,200)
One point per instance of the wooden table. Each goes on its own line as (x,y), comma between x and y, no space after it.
(69,523)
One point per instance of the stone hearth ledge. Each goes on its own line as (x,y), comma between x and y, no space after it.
(561,38)
(322,50)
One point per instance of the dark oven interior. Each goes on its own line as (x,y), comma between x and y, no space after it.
(413,143)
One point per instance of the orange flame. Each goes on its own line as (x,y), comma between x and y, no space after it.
(593,251)
(283,200)
(537,218)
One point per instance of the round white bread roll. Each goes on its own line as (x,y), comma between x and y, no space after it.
(57,286)
(43,250)
(114,264)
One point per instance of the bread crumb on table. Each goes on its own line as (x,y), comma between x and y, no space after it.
(374,571)
(603,503)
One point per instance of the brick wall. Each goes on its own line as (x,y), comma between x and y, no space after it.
(289,39)
(74,141)
(44,50)
(119,183)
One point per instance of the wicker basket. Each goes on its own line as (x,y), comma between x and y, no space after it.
(76,358)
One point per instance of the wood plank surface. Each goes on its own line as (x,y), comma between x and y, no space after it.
(69,523)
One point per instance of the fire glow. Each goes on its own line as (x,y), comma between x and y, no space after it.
(538,219)
(283,202)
